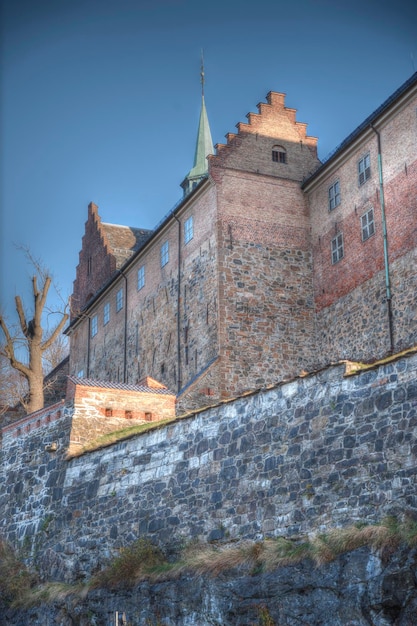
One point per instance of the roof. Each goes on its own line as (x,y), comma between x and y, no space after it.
(105,384)
(204,147)
(365,124)
(124,240)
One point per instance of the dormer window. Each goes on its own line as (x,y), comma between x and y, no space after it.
(279,154)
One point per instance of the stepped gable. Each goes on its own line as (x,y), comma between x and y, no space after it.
(274,121)
(105,248)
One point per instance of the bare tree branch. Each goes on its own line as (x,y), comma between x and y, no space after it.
(21,314)
(46,344)
(8,350)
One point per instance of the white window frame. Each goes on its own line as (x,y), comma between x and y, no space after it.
(94,325)
(141,277)
(364,169)
(119,300)
(279,154)
(164,253)
(337,248)
(188,229)
(334,195)
(106,313)
(368,224)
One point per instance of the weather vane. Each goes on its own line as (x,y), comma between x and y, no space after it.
(202,73)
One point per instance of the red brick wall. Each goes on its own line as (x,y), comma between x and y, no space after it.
(102,263)
(99,410)
(350,296)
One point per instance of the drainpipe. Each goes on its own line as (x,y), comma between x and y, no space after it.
(385,238)
(88,347)
(125,331)
(179,381)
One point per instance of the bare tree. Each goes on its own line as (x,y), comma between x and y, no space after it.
(33,335)
(14,388)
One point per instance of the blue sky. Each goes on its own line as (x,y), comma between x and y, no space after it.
(100,101)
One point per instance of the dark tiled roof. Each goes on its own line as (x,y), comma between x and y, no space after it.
(125,240)
(89,382)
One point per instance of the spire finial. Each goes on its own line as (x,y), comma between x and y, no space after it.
(202,73)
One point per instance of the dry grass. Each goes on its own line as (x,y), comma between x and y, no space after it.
(144,561)
(352,367)
(16,580)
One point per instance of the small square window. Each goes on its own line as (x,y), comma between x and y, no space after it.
(94,325)
(141,277)
(164,254)
(367,224)
(364,169)
(119,300)
(106,313)
(188,229)
(334,195)
(337,248)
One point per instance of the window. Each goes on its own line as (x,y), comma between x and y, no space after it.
(164,254)
(106,313)
(141,277)
(94,326)
(364,169)
(188,230)
(334,195)
(337,248)
(119,300)
(279,154)
(367,224)
(89,265)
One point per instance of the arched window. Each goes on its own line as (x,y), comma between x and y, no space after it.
(279,154)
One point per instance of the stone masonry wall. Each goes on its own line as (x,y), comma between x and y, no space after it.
(266,315)
(324,450)
(356,327)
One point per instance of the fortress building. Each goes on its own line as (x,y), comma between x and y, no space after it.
(271,264)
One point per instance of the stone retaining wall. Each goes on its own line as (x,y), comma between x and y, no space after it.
(324,450)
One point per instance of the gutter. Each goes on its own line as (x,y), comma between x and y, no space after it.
(88,346)
(385,240)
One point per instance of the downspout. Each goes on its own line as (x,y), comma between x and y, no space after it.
(88,347)
(385,239)
(125,331)
(179,379)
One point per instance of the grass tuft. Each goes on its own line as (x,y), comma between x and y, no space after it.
(134,563)
(15,578)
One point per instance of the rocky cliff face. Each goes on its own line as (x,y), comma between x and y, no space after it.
(360,588)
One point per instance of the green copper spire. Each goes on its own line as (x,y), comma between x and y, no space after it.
(203,148)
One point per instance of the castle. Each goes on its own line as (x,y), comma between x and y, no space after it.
(271,264)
